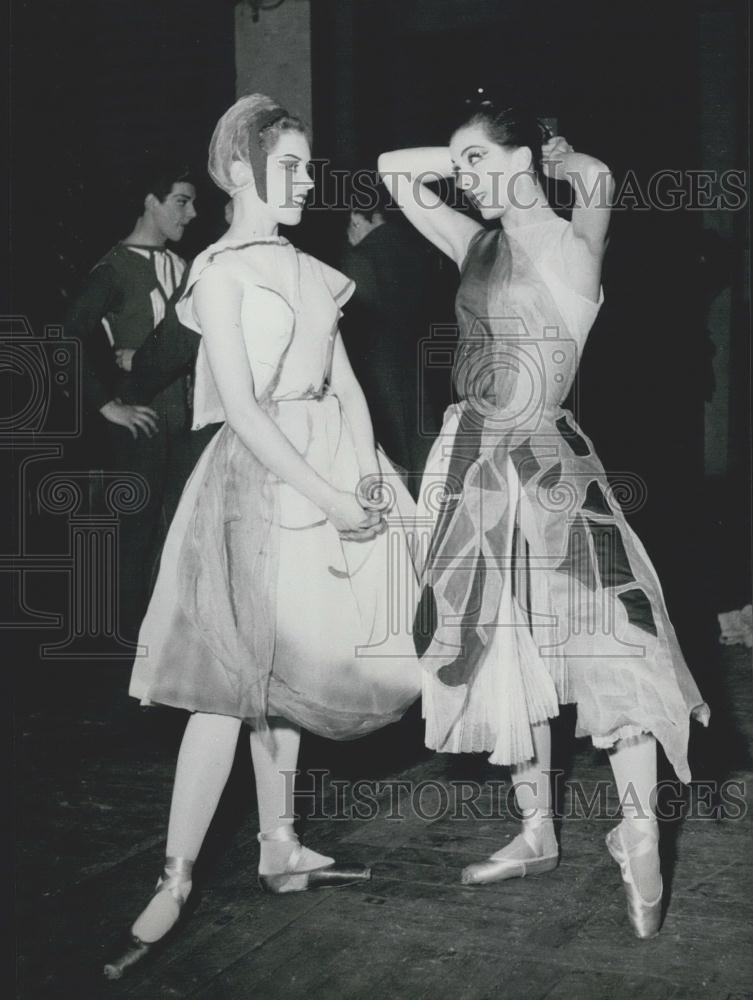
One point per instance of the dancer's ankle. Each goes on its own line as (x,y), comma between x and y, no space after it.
(538,830)
(281,851)
(535,840)
(640,835)
(636,826)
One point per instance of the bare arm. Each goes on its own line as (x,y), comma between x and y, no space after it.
(353,402)
(593,187)
(356,412)
(217,300)
(406,174)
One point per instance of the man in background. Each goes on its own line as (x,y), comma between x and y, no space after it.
(124,299)
(398,296)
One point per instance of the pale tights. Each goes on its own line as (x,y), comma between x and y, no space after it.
(634,768)
(204,763)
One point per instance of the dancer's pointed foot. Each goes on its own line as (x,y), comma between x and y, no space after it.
(532,852)
(634,845)
(287,866)
(159,917)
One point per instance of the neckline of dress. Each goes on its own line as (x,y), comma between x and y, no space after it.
(532,225)
(144,246)
(240,244)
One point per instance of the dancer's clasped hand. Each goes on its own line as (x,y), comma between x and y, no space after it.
(352,521)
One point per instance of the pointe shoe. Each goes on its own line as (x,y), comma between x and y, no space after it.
(498,868)
(644,916)
(175,880)
(297,879)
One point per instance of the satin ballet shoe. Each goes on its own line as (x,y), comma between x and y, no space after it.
(544,857)
(175,881)
(294,878)
(644,916)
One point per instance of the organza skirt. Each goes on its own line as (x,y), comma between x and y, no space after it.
(261,609)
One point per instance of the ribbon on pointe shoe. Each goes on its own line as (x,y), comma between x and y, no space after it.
(644,916)
(175,880)
(502,865)
(295,878)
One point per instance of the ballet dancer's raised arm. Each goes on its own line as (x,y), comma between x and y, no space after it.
(407,174)
(593,188)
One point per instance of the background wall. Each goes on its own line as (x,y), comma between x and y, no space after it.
(722,136)
(664,383)
(99,85)
(273,54)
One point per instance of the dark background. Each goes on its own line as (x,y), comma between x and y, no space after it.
(98,85)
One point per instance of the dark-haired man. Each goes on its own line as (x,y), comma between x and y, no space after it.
(124,298)
(399,292)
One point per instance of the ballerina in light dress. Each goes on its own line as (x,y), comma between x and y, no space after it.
(272,603)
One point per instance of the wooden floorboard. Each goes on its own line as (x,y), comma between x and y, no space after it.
(94,796)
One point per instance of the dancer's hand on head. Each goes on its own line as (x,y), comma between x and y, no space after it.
(135,418)
(352,521)
(553,154)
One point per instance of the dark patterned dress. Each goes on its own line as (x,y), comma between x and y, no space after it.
(535,590)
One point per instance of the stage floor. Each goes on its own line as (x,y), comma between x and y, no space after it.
(94,776)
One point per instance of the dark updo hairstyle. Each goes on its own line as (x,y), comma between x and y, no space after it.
(512,128)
